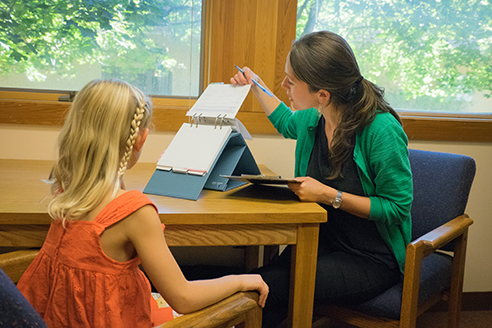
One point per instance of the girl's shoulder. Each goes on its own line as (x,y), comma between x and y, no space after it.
(132,200)
(132,196)
(123,205)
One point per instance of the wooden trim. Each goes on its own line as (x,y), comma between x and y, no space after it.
(169,114)
(207,6)
(465,128)
(30,95)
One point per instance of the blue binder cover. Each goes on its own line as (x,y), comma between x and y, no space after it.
(234,158)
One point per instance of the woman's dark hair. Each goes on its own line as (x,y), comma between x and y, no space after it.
(325,61)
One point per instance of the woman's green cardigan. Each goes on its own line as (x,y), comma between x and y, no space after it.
(381,156)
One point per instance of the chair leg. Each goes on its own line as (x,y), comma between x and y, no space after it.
(456,291)
(251,255)
(271,253)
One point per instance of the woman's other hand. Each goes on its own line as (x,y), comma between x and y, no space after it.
(311,190)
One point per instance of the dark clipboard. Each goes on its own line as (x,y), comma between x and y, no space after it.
(261,179)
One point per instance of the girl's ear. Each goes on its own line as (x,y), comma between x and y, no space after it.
(141,137)
(324,97)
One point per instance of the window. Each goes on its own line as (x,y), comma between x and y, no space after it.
(62,45)
(256,33)
(429,55)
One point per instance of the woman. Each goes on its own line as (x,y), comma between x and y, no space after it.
(352,158)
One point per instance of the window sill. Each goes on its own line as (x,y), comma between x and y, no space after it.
(447,127)
(169,117)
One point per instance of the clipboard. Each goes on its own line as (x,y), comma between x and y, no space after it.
(261,179)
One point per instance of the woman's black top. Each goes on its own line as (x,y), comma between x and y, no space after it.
(344,231)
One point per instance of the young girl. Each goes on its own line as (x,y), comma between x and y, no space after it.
(87,274)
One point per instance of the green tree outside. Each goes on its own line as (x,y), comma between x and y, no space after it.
(428,54)
(130,40)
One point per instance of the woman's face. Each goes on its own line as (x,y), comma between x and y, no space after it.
(298,91)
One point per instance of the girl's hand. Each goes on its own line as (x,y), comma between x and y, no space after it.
(246,78)
(255,282)
(311,190)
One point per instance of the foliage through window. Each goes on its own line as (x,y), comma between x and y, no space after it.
(63,44)
(427,54)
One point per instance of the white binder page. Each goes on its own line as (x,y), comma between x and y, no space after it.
(220,99)
(194,148)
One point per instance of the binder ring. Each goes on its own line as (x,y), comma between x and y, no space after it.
(222,120)
(194,120)
(199,117)
(216,119)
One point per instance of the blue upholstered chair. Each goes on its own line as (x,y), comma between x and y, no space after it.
(15,310)
(441,184)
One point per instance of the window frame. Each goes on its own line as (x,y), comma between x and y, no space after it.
(224,23)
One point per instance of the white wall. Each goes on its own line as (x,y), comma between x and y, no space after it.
(33,142)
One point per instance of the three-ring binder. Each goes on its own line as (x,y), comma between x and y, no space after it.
(210,145)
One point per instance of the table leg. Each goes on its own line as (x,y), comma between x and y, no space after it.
(251,256)
(303,275)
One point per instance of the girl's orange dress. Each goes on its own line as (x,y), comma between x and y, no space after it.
(72,283)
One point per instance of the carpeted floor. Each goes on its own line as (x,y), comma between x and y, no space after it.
(469,319)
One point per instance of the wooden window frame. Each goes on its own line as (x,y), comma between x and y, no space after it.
(254,33)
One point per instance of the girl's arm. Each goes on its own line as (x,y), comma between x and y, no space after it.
(145,233)
(268,103)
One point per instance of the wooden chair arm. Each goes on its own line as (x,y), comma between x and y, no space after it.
(15,263)
(435,239)
(417,250)
(225,313)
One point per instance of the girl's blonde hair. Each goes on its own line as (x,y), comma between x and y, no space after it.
(95,145)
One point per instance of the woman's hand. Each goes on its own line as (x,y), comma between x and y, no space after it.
(267,103)
(255,282)
(246,78)
(311,190)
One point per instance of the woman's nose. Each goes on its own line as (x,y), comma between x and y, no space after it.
(284,84)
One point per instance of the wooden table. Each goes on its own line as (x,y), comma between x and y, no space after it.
(248,215)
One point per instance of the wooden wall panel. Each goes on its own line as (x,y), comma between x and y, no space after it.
(29,112)
(253,33)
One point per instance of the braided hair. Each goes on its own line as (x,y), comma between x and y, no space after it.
(134,130)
